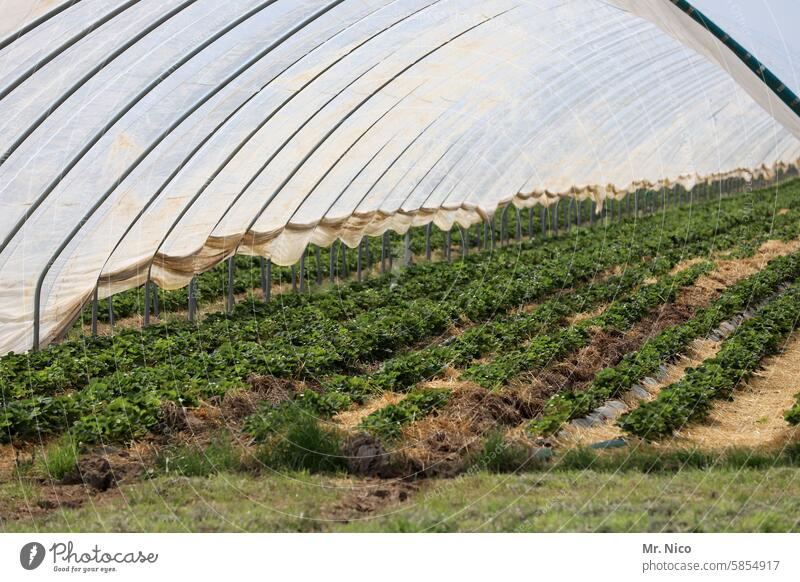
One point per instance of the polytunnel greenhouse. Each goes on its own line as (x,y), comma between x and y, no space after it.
(388,212)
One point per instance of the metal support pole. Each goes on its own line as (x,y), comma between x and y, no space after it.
(578,211)
(504,226)
(359,252)
(345,269)
(303,272)
(428,241)
(190,315)
(383,252)
(530,222)
(263,270)
(332,262)
(555,218)
(492,234)
(519,224)
(147,303)
(111,311)
(389,256)
(568,214)
(294,278)
(464,242)
(268,281)
(318,256)
(94,313)
(447,244)
(485,234)
(543,220)
(231,271)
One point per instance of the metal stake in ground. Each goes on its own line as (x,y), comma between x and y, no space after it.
(94,313)
(147,303)
(318,253)
(266,276)
(231,271)
(428,241)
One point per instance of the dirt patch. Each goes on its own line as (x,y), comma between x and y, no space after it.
(103,468)
(783,211)
(366,456)
(42,499)
(370,496)
(754,417)
(97,474)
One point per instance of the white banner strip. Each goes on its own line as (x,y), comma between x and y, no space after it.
(389,557)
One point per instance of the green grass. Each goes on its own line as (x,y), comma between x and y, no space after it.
(302,443)
(500,455)
(712,500)
(58,458)
(588,501)
(221,455)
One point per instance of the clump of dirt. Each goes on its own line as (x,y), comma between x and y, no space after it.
(95,472)
(104,468)
(366,456)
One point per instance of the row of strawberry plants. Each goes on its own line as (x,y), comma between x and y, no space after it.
(548,348)
(691,398)
(793,414)
(667,345)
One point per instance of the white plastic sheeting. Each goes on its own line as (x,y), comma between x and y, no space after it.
(157,137)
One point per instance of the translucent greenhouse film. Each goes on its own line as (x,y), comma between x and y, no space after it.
(151,139)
